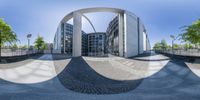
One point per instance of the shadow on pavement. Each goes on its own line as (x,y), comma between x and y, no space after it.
(80,77)
(175,81)
(175,76)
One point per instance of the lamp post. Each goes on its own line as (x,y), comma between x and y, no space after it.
(173,39)
(0,42)
(28,38)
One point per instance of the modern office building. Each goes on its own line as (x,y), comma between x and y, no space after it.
(112,40)
(96,44)
(65,45)
(126,35)
(139,34)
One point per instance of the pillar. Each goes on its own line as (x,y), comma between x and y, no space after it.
(121,34)
(77,37)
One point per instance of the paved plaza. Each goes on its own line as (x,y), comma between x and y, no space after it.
(58,77)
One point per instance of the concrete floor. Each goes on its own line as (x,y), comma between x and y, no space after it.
(154,77)
(37,70)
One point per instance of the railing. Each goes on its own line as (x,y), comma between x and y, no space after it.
(8,52)
(181,52)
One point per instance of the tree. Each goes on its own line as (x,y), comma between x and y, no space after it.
(164,44)
(157,46)
(176,46)
(192,33)
(188,46)
(6,34)
(14,46)
(39,43)
(44,46)
(161,45)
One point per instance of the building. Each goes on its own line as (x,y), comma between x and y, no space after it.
(126,35)
(96,44)
(65,45)
(112,40)
(135,39)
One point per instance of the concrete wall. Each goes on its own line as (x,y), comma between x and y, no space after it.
(148,44)
(130,35)
(135,36)
(144,41)
(141,37)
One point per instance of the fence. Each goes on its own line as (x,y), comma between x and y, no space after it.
(182,52)
(8,52)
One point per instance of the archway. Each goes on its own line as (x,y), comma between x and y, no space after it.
(130,31)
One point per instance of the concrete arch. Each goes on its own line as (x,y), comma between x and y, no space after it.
(89,22)
(130,30)
(91,10)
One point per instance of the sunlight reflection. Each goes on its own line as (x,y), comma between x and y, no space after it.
(119,68)
(39,70)
(194,67)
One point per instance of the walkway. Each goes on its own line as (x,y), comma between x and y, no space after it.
(165,79)
(29,71)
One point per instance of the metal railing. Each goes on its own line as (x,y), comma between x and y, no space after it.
(181,52)
(9,52)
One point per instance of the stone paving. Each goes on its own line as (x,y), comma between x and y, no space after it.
(29,71)
(89,78)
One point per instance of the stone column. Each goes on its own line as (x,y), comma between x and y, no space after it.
(121,34)
(77,40)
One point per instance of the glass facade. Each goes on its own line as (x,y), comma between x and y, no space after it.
(68,33)
(112,41)
(96,44)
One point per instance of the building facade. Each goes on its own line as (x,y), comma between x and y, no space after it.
(96,44)
(65,45)
(112,40)
(135,38)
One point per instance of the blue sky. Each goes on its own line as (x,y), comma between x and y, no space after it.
(160,17)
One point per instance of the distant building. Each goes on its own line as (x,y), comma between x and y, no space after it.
(49,46)
(96,44)
(65,46)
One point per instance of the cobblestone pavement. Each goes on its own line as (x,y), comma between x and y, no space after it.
(89,78)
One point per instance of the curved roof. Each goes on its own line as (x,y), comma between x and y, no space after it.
(91,10)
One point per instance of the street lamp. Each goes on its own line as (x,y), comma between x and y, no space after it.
(173,39)
(0,42)
(28,37)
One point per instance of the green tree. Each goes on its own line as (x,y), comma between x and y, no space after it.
(161,45)
(14,46)
(168,47)
(6,34)
(188,46)
(192,33)
(164,44)
(44,46)
(157,46)
(176,46)
(39,43)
